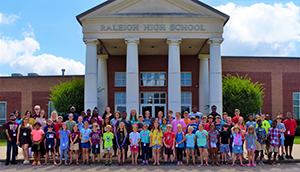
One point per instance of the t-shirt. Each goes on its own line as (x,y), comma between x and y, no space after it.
(134,121)
(214,115)
(179,138)
(218,127)
(250,140)
(50,136)
(169,137)
(57,127)
(195,127)
(163,128)
(145,138)
(213,136)
(108,139)
(95,137)
(156,137)
(206,127)
(70,124)
(186,121)
(140,125)
(261,132)
(281,126)
(147,121)
(12,128)
(194,114)
(225,135)
(201,137)
(235,119)
(265,124)
(290,126)
(37,134)
(85,134)
(190,140)
(73,135)
(80,126)
(134,137)
(237,139)
(249,123)
(176,122)
(64,139)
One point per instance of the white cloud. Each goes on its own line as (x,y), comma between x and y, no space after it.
(28,32)
(261,29)
(8,19)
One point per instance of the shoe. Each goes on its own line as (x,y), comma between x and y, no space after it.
(249,164)
(147,163)
(165,164)
(172,163)
(110,163)
(178,162)
(39,163)
(181,163)
(261,163)
(106,163)
(34,163)
(143,163)
(291,157)
(24,162)
(14,162)
(287,157)
(230,157)
(253,164)
(6,163)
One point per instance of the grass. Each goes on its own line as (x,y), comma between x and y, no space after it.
(2,142)
(297,140)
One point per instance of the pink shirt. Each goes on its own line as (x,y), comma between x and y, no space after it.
(37,134)
(175,122)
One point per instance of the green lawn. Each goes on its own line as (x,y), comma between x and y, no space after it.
(297,140)
(2,142)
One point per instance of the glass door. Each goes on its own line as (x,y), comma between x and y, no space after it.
(153,102)
(146,108)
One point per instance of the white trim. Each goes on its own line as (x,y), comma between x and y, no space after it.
(153,105)
(5,111)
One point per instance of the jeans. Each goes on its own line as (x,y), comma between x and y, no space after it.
(66,154)
(145,150)
(12,145)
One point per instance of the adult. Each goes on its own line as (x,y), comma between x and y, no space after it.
(54,117)
(88,113)
(96,116)
(107,113)
(24,138)
(29,115)
(195,112)
(214,112)
(75,115)
(290,125)
(11,130)
(235,119)
(37,109)
(127,126)
(18,117)
(177,121)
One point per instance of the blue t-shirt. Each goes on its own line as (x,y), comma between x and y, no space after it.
(50,136)
(147,121)
(218,127)
(195,126)
(64,139)
(190,140)
(179,138)
(19,121)
(281,126)
(249,123)
(80,126)
(85,134)
(145,138)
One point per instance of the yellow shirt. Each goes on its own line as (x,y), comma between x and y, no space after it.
(156,137)
(31,121)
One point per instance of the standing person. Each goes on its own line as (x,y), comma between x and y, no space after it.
(261,141)
(290,125)
(72,111)
(127,126)
(190,139)
(241,124)
(224,143)
(225,116)
(160,116)
(274,139)
(37,136)
(205,124)
(218,123)
(282,130)
(235,119)
(30,118)
(18,117)
(198,119)
(180,140)
(202,136)
(230,125)
(80,123)
(169,143)
(214,112)
(74,143)
(177,121)
(57,128)
(11,130)
(186,120)
(41,119)
(238,133)
(121,135)
(23,138)
(251,121)
(108,144)
(280,114)
(266,125)
(95,141)
(193,124)
(113,122)
(133,117)
(213,140)
(147,118)
(156,141)
(54,117)
(70,123)
(163,128)
(134,138)
(145,141)
(37,110)
(107,113)
(50,143)
(64,135)
(140,124)
(251,144)
(170,113)
(195,112)
(98,118)
(83,117)
(170,119)
(88,114)
(268,118)
(85,144)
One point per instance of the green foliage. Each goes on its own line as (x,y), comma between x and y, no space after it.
(298,122)
(297,131)
(240,93)
(68,94)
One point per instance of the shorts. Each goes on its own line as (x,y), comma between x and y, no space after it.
(168,151)
(36,148)
(289,140)
(156,147)
(202,147)
(281,142)
(224,148)
(260,147)
(51,149)
(95,149)
(273,149)
(134,148)
(190,148)
(251,149)
(109,150)
(237,149)
(213,145)
(86,145)
(75,147)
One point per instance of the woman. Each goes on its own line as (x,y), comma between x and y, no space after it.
(37,110)
(96,117)
(24,138)
(42,121)
(113,123)
(107,113)
(54,117)
(30,118)
(18,117)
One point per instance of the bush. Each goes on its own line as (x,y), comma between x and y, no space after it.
(298,122)
(297,131)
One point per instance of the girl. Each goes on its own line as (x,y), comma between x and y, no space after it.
(30,118)
(54,117)
(145,140)
(190,139)
(160,116)
(23,138)
(64,134)
(205,124)
(230,125)
(251,144)
(241,124)
(238,133)
(107,113)
(74,143)
(134,139)
(202,136)
(41,119)
(113,122)
(179,144)
(18,117)
(213,140)
(37,135)
(147,118)
(85,144)
(156,141)
(133,117)
(163,128)
(106,123)
(121,136)
(95,116)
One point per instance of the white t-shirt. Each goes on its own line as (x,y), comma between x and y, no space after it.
(134,138)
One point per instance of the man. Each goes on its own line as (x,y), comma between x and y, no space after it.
(73,111)
(128,127)
(195,112)
(290,125)
(214,112)
(11,130)
(235,119)
(88,113)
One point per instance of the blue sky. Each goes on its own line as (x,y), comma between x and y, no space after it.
(31,31)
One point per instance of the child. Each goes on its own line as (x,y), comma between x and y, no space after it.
(205,124)
(156,141)
(70,123)
(186,119)
(241,124)
(230,125)
(179,144)
(193,124)
(202,136)
(266,125)
(190,139)
(74,143)
(237,116)
(290,125)
(133,117)
(145,141)
(224,143)
(251,144)
(261,140)
(238,133)
(282,130)
(134,138)
(169,140)
(85,144)
(108,144)
(50,143)
(225,116)
(121,136)
(198,119)
(274,138)
(80,122)
(95,141)
(140,123)
(11,129)
(213,140)
(210,120)
(37,136)
(64,134)
(147,118)
(106,123)
(23,138)
(163,128)
(218,123)
(57,127)
(250,122)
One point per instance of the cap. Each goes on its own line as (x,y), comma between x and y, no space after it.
(12,114)
(210,116)
(193,118)
(51,126)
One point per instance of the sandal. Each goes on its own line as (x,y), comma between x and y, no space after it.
(222,162)
(186,164)
(83,163)
(226,162)
(77,163)
(59,164)
(232,165)
(207,164)
(154,163)
(70,163)
(242,165)
(66,164)
(217,164)
(194,164)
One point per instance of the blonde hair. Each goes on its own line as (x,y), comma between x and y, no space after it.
(52,116)
(22,124)
(95,125)
(63,125)
(108,126)
(190,127)
(158,128)
(237,127)
(169,125)
(252,129)
(125,131)
(179,125)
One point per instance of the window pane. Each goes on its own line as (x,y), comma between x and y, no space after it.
(182,101)
(296,102)
(296,112)
(182,95)
(142,101)
(124,101)
(123,95)
(2,111)
(121,108)
(156,101)
(118,82)
(124,76)
(123,82)
(188,95)
(118,101)
(162,76)
(163,101)
(182,83)
(118,95)
(188,83)
(296,96)
(182,75)
(162,95)
(2,122)
(118,76)
(187,75)
(149,75)
(156,95)
(143,76)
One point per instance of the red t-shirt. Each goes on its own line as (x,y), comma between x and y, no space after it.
(206,127)
(290,126)
(169,136)
(235,119)
(57,128)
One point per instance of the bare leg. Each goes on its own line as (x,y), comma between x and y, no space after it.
(119,155)
(157,158)
(46,158)
(201,156)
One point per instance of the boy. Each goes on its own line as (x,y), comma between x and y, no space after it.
(282,130)
(237,116)
(274,138)
(80,122)
(198,119)
(261,141)
(225,116)
(70,123)
(193,124)
(250,122)
(186,120)
(266,125)
(290,125)
(224,143)
(95,140)
(140,123)
(11,130)
(108,144)
(50,143)
(268,119)
(218,123)
(169,141)
(210,119)
(57,127)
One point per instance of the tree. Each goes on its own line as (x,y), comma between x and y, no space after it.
(68,94)
(240,93)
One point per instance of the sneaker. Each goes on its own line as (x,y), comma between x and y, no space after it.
(196,157)
(24,162)
(143,163)
(34,163)
(287,157)
(14,162)
(110,163)
(6,163)
(253,164)
(261,163)
(165,164)
(178,162)
(172,163)
(291,157)
(181,163)
(39,163)
(230,157)
(249,164)
(106,163)
(147,163)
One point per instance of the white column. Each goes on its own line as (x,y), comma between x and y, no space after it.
(203,84)
(174,86)
(102,82)
(132,75)
(90,89)
(215,74)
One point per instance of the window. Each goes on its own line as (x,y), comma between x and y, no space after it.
(153,79)
(186,79)
(296,100)
(120,102)
(50,108)
(186,101)
(2,113)
(153,98)
(120,79)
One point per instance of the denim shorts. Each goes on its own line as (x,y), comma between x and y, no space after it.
(190,148)
(202,147)
(86,145)
(281,142)
(156,146)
